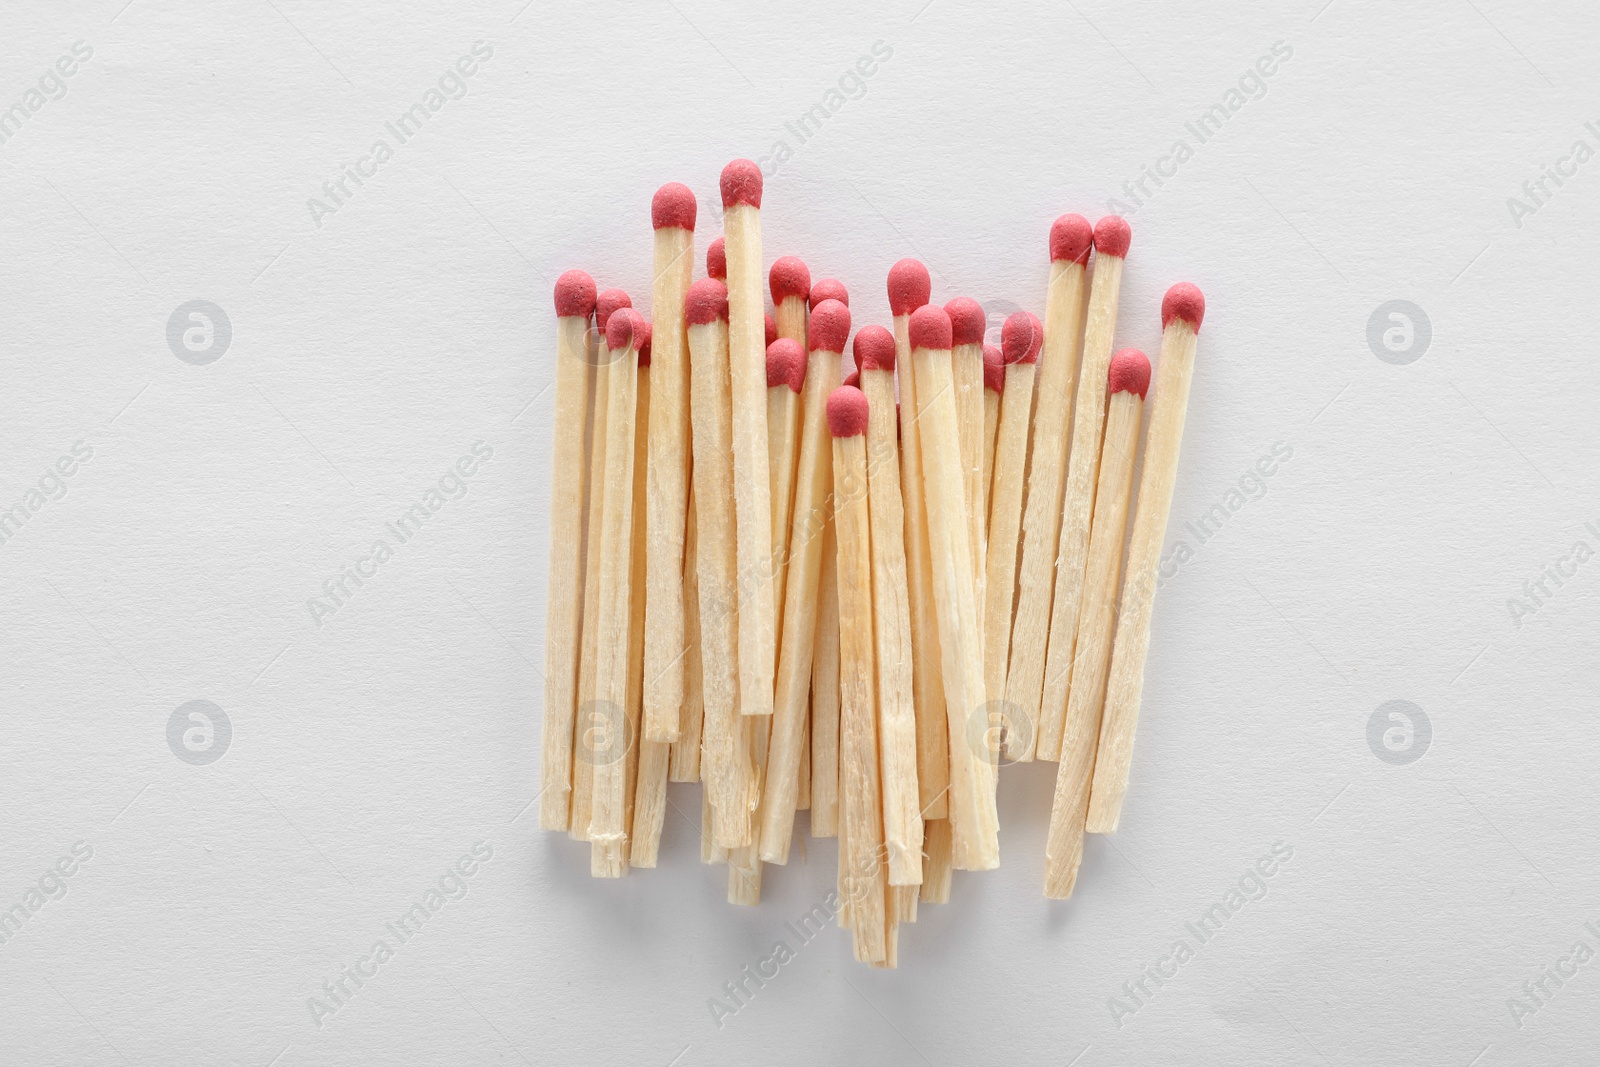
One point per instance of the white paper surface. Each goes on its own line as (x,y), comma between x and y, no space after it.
(381,338)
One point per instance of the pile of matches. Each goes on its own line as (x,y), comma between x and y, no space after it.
(776,580)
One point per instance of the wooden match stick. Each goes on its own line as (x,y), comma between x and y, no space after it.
(967,327)
(744,862)
(1020,340)
(825,692)
(1181,313)
(647,794)
(936,862)
(909,287)
(588,735)
(994,383)
(1111,236)
(972,771)
(575,297)
(1071,238)
(829,328)
(608,832)
(891,614)
(791,284)
(1129,378)
(685,761)
(724,767)
(672,215)
(858,750)
(741,225)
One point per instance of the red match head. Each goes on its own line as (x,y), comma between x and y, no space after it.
(707,302)
(853,378)
(847,411)
(909,287)
(643,341)
(1185,302)
(789,277)
(625,328)
(829,289)
(786,364)
(930,328)
(829,327)
(994,369)
(1130,373)
(673,205)
(874,348)
(967,321)
(1071,237)
(1111,236)
(574,294)
(717,259)
(1021,338)
(741,184)
(606,305)
(771,327)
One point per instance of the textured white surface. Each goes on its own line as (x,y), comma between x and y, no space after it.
(370,352)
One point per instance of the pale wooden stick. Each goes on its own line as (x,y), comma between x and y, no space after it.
(608,832)
(575,297)
(583,729)
(936,859)
(803,799)
(891,614)
(744,862)
(685,762)
(724,767)
(973,817)
(647,795)
(710,851)
(1111,241)
(1021,338)
(741,227)
(830,326)
(1070,241)
(1181,313)
(994,382)
(1129,378)
(672,215)
(825,693)
(908,290)
(858,757)
(785,378)
(968,323)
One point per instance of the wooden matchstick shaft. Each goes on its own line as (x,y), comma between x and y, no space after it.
(747,362)
(647,787)
(668,481)
(813,484)
(1005,520)
(891,614)
(825,693)
(783,454)
(1041,522)
(933,744)
(858,749)
(744,862)
(972,776)
(991,430)
(1081,729)
(1078,500)
(563,616)
(967,367)
(584,729)
(1125,683)
(685,762)
(936,862)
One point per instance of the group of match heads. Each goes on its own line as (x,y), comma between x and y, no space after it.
(857,595)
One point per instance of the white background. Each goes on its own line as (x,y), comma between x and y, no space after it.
(371,351)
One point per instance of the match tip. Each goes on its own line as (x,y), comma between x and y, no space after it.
(1111,236)
(717,260)
(1071,237)
(853,379)
(829,289)
(771,326)
(625,328)
(829,327)
(1183,301)
(643,342)
(789,277)
(1021,338)
(994,369)
(909,286)
(930,328)
(707,302)
(575,294)
(874,348)
(786,364)
(741,184)
(607,304)
(673,205)
(1130,373)
(967,321)
(847,411)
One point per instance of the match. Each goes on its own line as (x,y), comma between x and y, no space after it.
(967,327)
(1020,340)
